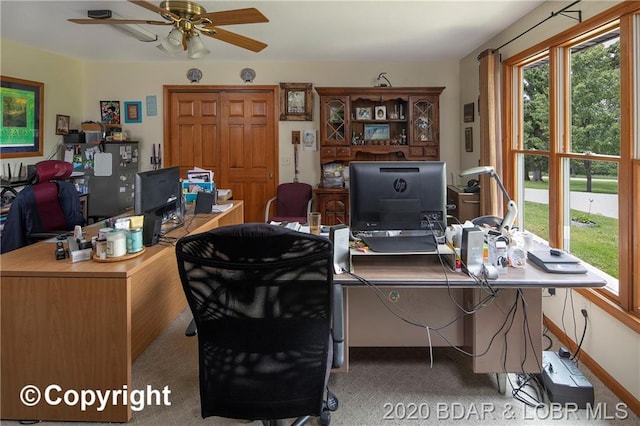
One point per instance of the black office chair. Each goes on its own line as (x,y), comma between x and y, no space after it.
(48,206)
(268,318)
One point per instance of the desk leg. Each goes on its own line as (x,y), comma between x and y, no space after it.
(345,319)
(517,345)
(502,383)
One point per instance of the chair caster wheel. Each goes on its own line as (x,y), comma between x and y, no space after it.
(325,418)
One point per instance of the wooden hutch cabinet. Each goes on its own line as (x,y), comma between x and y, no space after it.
(373,124)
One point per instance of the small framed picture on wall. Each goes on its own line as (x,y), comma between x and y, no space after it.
(469,113)
(110,112)
(468,139)
(62,124)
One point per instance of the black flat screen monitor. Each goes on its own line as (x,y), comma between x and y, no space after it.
(158,193)
(397,196)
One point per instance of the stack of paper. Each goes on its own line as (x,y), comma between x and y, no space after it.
(198,174)
(198,180)
(296,226)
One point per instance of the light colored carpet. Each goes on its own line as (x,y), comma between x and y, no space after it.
(386,386)
(382,382)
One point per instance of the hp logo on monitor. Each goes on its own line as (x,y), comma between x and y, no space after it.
(399,185)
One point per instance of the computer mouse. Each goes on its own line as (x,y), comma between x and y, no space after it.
(555,252)
(489,272)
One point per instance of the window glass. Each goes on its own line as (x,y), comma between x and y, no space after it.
(595,95)
(536,195)
(535,105)
(593,211)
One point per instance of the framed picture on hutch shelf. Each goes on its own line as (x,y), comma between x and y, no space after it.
(21,127)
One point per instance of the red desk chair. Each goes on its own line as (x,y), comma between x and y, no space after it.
(292,203)
(46,207)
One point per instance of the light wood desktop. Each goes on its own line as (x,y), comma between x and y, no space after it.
(81,325)
(420,288)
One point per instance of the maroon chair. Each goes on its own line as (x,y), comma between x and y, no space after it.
(48,206)
(292,203)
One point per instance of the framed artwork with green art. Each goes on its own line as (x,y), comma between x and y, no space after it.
(21,109)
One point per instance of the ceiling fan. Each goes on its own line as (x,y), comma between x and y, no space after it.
(189,20)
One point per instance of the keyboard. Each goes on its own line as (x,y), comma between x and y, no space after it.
(402,244)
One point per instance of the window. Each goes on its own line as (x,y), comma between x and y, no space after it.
(575,115)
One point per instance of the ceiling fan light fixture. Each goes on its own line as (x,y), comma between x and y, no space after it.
(196,48)
(164,50)
(172,43)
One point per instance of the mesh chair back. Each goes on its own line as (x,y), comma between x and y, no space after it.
(260,296)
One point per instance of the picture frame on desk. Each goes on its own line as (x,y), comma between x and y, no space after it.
(21,127)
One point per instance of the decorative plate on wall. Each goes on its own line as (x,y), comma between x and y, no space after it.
(194,75)
(247,75)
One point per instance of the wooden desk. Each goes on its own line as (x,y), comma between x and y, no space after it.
(419,287)
(81,325)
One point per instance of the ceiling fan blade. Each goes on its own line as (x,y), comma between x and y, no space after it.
(237,39)
(117,21)
(152,7)
(249,15)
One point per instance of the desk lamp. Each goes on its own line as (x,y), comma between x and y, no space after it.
(512,209)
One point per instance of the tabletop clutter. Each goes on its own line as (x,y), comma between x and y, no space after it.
(500,249)
(117,239)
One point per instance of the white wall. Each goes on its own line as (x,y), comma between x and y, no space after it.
(63,90)
(75,88)
(615,347)
(135,81)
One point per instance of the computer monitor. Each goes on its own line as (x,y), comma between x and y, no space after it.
(397,196)
(158,193)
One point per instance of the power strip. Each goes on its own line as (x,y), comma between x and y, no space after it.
(564,382)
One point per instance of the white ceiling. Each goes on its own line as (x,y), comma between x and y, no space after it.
(302,30)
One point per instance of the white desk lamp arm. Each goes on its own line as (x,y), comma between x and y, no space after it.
(509,217)
(512,208)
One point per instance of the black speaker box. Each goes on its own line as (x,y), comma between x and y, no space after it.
(204,202)
(151,230)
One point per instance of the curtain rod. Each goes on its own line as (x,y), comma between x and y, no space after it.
(553,15)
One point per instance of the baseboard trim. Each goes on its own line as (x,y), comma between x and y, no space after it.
(607,379)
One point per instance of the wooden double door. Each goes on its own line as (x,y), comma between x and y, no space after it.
(230,130)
